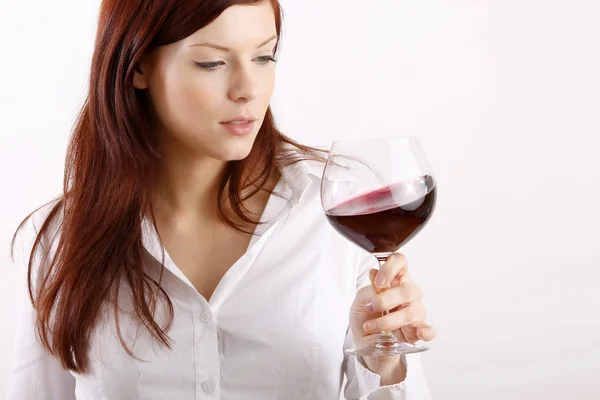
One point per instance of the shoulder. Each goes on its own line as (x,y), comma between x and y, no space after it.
(307,159)
(304,150)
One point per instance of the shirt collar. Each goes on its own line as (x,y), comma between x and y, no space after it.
(298,177)
(296,180)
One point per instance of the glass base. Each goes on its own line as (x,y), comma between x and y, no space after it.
(387,345)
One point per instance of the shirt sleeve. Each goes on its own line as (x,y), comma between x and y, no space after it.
(34,374)
(362,383)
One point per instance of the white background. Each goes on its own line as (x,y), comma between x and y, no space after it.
(505,96)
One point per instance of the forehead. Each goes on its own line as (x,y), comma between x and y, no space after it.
(239,26)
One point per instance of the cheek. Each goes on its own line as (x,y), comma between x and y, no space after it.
(183,102)
(197,101)
(267,85)
(270,83)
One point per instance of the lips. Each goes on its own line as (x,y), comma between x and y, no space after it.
(240,118)
(239,127)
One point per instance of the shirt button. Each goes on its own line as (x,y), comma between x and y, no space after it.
(205,317)
(208,387)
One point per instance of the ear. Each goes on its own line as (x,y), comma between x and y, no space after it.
(141,74)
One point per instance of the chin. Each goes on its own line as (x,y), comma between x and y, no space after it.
(234,151)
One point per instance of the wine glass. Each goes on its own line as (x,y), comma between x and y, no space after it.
(379,193)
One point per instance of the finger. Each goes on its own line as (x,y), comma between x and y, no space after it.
(404,277)
(403,294)
(365,293)
(396,320)
(372,275)
(390,269)
(368,340)
(427,333)
(398,279)
(419,331)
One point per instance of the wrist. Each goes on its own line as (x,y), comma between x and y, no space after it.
(391,370)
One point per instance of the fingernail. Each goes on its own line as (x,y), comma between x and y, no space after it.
(420,333)
(370,326)
(380,280)
(369,306)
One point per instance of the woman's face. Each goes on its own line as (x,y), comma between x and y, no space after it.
(221,73)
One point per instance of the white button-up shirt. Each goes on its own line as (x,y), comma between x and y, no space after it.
(275,327)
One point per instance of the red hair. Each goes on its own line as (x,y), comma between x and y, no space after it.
(109,167)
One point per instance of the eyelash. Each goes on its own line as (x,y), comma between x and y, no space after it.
(212,66)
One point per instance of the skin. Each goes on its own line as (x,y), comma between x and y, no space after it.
(193,87)
(406,318)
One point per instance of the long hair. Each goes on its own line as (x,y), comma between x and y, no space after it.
(108,172)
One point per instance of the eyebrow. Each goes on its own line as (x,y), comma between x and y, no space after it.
(214,46)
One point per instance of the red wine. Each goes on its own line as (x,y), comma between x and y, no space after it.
(383,220)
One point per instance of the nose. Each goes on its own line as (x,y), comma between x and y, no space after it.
(243,84)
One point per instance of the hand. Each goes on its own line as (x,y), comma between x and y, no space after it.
(406,319)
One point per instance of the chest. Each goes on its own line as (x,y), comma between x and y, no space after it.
(277,335)
(205,256)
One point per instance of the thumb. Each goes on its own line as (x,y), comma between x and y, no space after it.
(367,293)
(395,282)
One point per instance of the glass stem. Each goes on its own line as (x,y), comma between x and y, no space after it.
(386,334)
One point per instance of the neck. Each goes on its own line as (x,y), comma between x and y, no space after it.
(187,187)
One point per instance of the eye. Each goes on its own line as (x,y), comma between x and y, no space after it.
(265,59)
(210,66)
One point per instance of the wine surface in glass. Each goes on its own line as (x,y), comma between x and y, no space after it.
(383,220)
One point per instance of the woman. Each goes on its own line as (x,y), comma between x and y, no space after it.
(189,256)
